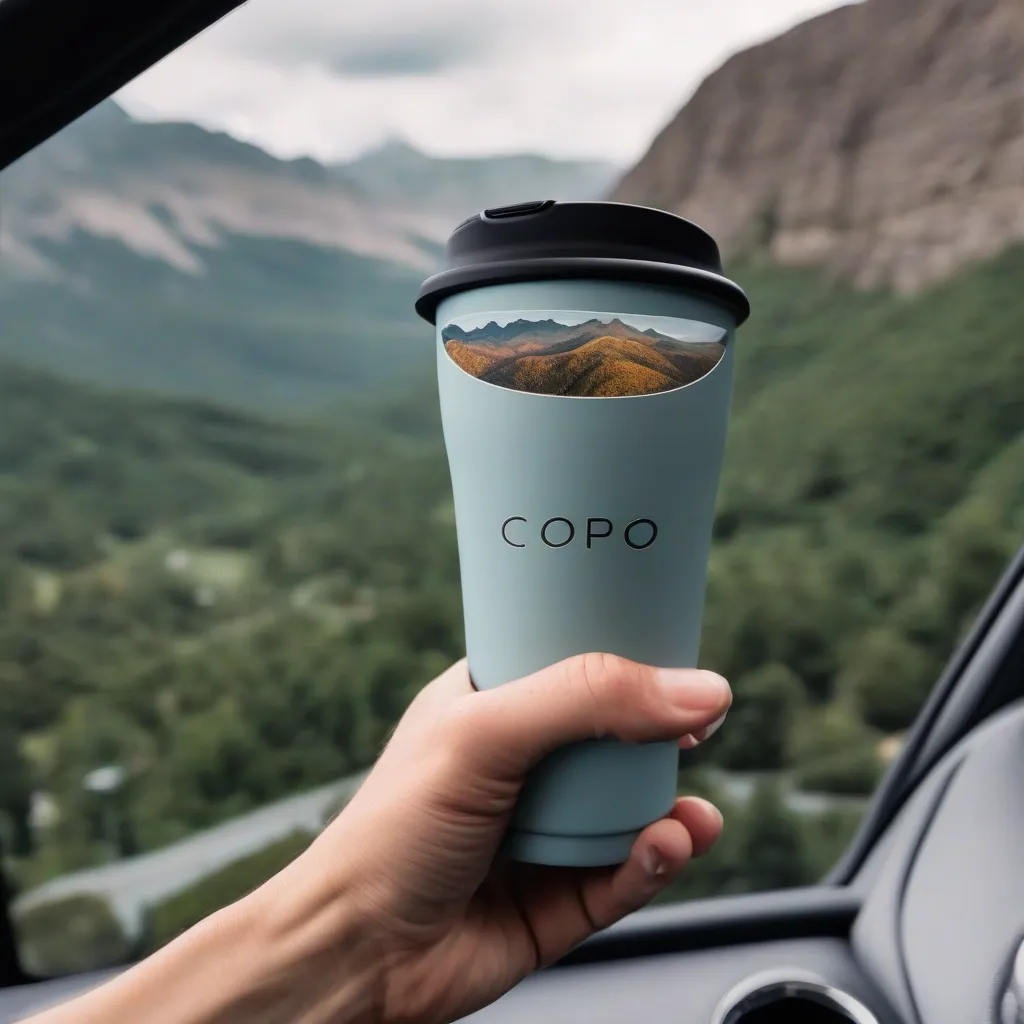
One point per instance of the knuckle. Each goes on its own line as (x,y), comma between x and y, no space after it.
(608,680)
(624,698)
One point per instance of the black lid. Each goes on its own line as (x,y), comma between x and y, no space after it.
(548,239)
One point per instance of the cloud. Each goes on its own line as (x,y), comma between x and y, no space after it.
(401,56)
(327,79)
(376,39)
(391,38)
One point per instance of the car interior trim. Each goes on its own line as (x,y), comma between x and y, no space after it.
(724,920)
(60,58)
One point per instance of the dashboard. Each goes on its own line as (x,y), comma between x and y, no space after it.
(945,917)
(933,924)
(941,919)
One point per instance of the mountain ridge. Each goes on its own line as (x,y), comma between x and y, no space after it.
(881,141)
(493,334)
(165,256)
(171,189)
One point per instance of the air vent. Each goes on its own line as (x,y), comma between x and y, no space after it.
(792,996)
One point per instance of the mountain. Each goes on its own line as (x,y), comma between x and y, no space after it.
(236,606)
(496,335)
(596,358)
(171,191)
(396,173)
(606,367)
(239,607)
(863,173)
(166,256)
(548,333)
(881,140)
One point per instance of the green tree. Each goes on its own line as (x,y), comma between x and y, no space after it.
(772,852)
(888,678)
(71,935)
(834,751)
(854,772)
(826,837)
(765,708)
(16,784)
(821,731)
(772,598)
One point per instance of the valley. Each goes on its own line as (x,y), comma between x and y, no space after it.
(228,557)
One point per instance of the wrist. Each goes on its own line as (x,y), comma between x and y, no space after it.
(311,957)
(281,954)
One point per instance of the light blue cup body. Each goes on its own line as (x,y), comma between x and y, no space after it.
(521,460)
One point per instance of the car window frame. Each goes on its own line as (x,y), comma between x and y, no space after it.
(59,59)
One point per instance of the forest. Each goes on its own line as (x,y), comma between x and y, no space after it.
(231,608)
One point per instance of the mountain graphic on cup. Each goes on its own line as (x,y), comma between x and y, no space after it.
(600,357)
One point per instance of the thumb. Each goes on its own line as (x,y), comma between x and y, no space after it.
(513,726)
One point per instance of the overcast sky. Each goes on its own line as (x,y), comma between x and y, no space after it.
(330,78)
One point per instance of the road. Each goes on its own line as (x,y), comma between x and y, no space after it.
(132,884)
(740,787)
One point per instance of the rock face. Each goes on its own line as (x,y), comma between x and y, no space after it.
(883,140)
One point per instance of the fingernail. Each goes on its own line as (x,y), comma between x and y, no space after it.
(714,810)
(654,863)
(711,729)
(694,688)
(695,739)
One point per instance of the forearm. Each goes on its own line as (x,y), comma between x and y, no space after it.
(268,959)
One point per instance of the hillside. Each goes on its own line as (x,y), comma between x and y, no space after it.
(210,598)
(604,367)
(881,140)
(169,257)
(454,188)
(592,359)
(217,599)
(861,425)
(233,593)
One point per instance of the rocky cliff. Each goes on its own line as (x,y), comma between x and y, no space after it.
(884,140)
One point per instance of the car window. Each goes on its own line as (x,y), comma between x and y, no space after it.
(228,553)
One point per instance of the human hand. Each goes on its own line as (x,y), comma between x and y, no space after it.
(402,911)
(412,857)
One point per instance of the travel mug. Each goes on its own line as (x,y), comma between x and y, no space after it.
(585,364)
